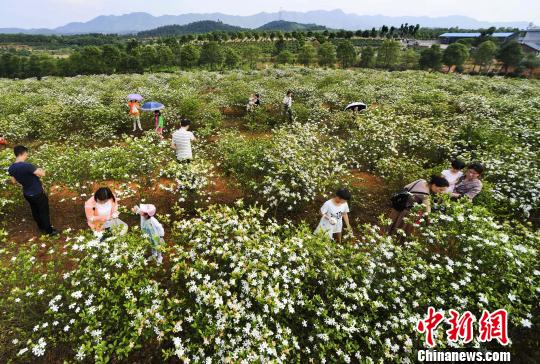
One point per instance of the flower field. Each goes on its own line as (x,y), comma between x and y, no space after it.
(244,277)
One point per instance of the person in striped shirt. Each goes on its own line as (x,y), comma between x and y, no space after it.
(181,142)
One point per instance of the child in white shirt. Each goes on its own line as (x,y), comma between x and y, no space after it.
(152,229)
(333,212)
(454,174)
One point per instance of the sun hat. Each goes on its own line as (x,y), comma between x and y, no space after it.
(148,209)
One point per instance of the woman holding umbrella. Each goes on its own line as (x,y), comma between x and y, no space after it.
(135,110)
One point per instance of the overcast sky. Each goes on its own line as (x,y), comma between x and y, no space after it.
(53,13)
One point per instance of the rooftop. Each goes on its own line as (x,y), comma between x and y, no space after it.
(474,35)
(535,46)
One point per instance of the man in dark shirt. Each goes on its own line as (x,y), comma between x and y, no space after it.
(27,175)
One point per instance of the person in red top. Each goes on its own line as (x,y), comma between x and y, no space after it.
(3,140)
(135,113)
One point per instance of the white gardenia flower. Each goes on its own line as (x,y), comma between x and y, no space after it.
(22,351)
(526,323)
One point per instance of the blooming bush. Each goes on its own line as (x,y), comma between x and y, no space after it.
(302,163)
(236,285)
(243,287)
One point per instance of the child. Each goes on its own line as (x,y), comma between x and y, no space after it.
(333,212)
(3,140)
(160,123)
(454,174)
(151,228)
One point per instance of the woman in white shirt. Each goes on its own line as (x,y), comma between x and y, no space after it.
(454,174)
(333,212)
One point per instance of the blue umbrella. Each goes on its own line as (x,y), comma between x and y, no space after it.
(152,106)
(135,97)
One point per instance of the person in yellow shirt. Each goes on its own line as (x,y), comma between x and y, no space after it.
(135,113)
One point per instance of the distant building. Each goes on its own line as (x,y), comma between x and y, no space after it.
(531,41)
(449,38)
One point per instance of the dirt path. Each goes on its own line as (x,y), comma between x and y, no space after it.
(67,206)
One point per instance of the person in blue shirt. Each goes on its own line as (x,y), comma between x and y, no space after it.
(28,176)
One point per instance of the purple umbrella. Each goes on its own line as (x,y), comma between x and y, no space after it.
(135,97)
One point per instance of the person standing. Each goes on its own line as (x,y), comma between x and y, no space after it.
(135,113)
(28,176)
(181,142)
(333,213)
(287,105)
(159,123)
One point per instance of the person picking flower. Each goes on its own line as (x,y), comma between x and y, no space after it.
(334,212)
(152,229)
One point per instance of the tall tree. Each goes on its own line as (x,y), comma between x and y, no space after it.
(232,58)
(346,53)
(285,57)
(252,55)
(367,58)
(212,55)
(431,58)
(89,60)
(388,54)
(112,58)
(409,59)
(455,55)
(189,55)
(484,54)
(165,55)
(327,54)
(307,55)
(279,46)
(510,54)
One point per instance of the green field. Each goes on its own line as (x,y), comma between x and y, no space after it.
(244,276)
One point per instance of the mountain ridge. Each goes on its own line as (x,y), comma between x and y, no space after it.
(198,27)
(336,19)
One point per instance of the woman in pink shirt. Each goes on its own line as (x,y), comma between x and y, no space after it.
(102,211)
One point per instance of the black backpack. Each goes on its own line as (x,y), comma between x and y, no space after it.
(402,199)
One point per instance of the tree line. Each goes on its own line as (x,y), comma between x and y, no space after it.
(206,33)
(170,53)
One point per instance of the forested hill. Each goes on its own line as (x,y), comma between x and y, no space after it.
(199,27)
(289,26)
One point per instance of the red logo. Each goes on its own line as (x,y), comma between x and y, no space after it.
(494,326)
(429,324)
(490,326)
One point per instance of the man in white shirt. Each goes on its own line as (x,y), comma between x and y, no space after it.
(181,142)
(287,105)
